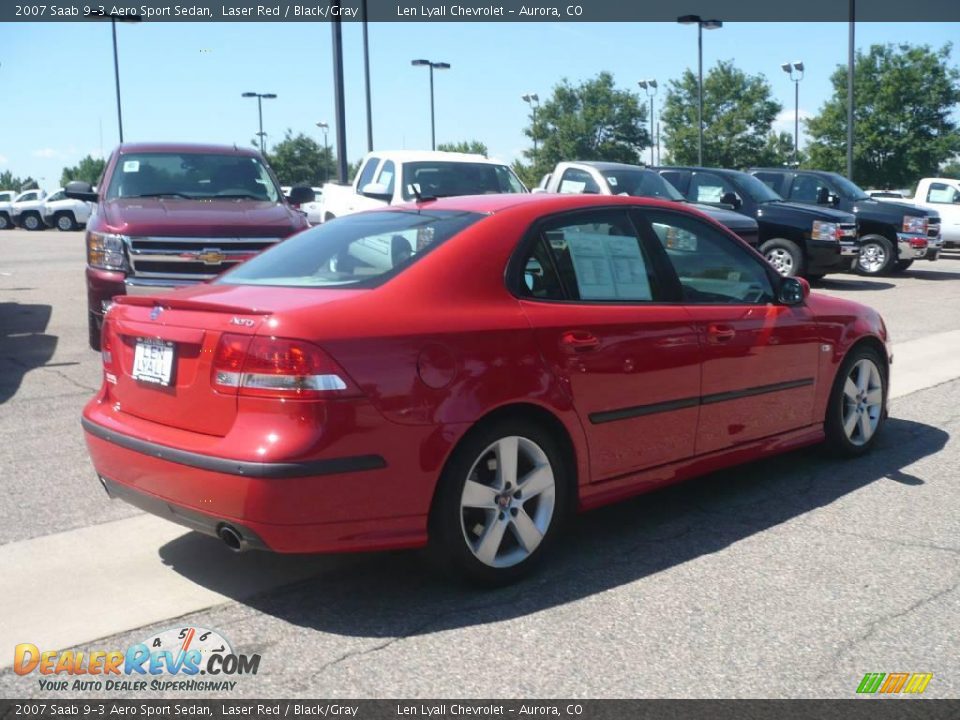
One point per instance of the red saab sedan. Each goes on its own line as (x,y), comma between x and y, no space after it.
(466,372)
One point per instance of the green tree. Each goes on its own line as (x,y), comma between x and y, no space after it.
(9,181)
(904,96)
(951,169)
(590,121)
(474,147)
(301,160)
(89,169)
(738,115)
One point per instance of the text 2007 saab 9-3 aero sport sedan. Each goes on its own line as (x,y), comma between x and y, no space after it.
(464,373)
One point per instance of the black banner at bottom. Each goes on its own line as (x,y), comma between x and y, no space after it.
(854,709)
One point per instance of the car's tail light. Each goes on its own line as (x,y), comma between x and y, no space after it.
(278,367)
(109,347)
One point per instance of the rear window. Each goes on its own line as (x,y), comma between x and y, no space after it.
(193,176)
(360,250)
(446,179)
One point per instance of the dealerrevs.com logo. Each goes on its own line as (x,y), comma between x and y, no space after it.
(191,659)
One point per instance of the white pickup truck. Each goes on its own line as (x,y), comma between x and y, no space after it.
(942,195)
(26,209)
(391,178)
(610,178)
(64,213)
(6,200)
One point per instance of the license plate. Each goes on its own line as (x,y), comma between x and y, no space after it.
(153,361)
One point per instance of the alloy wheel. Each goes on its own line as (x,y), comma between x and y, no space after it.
(781,260)
(508,502)
(64,223)
(862,401)
(872,257)
(30,222)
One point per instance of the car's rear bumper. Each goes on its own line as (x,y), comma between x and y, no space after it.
(338,503)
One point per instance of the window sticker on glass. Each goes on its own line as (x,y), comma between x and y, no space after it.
(572,186)
(131,166)
(608,267)
(612,179)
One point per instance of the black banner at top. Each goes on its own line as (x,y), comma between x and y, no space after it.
(481,10)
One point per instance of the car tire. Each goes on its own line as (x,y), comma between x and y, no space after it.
(32,222)
(5,223)
(876,256)
(93,332)
(856,410)
(903,265)
(484,526)
(785,256)
(65,222)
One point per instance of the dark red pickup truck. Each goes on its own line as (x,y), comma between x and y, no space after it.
(169,215)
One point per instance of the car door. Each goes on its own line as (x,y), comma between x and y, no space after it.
(607,326)
(759,357)
(945,199)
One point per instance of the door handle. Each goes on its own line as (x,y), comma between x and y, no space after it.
(717,333)
(579,341)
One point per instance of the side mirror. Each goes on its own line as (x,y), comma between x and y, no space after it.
(377,191)
(301,194)
(732,200)
(823,196)
(80,190)
(793,291)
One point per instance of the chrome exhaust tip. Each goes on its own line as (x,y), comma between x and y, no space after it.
(231,538)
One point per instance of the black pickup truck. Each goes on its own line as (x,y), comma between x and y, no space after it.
(892,235)
(795,239)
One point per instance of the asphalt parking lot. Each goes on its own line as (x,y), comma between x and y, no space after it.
(791,577)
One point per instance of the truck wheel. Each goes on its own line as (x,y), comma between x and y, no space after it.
(785,256)
(903,265)
(65,222)
(856,409)
(876,256)
(5,223)
(32,221)
(93,332)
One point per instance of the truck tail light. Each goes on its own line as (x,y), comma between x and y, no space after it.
(278,368)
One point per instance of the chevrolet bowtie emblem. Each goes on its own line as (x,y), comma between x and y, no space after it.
(211,257)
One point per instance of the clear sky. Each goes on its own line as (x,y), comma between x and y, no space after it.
(182,81)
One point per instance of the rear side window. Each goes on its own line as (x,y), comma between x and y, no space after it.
(593,256)
(712,268)
(361,250)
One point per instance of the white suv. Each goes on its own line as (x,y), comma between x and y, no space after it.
(64,213)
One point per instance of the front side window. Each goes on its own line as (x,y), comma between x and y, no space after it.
(361,250)
(28,196)
(59,195)
(709,188)
(712,268)
(806,189)
(771,180)
(942,193)
(191,176)
(447,179)
(575,181)
(366,175)
(593,256)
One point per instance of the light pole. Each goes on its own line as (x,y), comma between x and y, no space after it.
(851,61)
(326,147)
(789,68)
(114,17)
(433,66)
(701,26)
(650,88)
(260,98)
(533,100)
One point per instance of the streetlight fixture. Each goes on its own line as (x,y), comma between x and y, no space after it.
(326,147)
(533,100)
(433,66)
(260,98)
(650,88)
(701,26)
(790,68)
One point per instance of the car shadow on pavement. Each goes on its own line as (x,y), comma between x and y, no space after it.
(851,283)
(399,594)
(24,344)
(932,274)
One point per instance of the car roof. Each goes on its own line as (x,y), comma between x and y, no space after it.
(550,202)
(199,148)
(604,166)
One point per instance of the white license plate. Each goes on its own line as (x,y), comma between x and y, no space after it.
(153,361)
